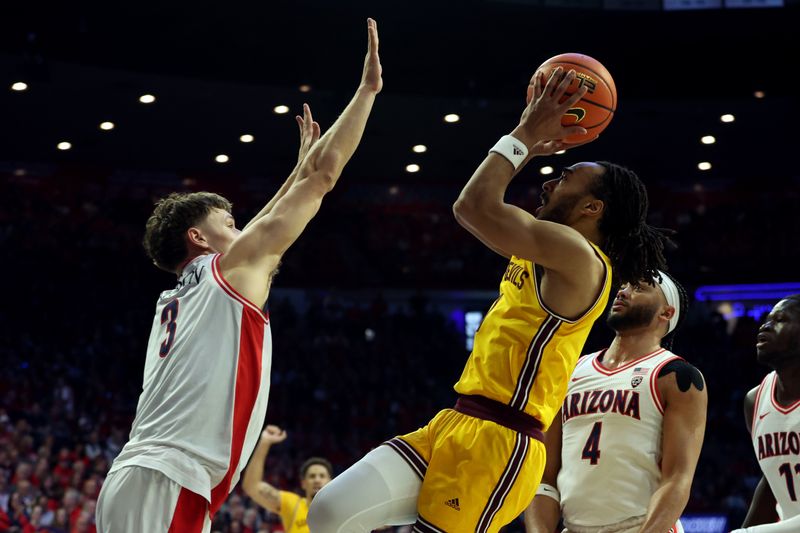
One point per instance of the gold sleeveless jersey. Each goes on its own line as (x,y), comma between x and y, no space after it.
(524,354)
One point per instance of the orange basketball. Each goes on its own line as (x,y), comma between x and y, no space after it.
(595,110)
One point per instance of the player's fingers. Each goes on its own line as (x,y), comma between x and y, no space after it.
(315,131)
(574,130)
(299,121)
(574,98)
(538,82)
(372,31)
(565,82)
(552,81)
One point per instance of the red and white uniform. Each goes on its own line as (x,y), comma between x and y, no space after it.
(776,441)
(206,384)
(612,424)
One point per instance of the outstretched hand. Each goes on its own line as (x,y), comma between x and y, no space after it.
(540,126)
(309,132)
(371,78)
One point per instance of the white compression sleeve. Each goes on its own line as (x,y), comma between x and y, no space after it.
(379,490)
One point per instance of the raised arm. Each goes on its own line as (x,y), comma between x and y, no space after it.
(257,251)
(685,402)
(309,135)
(544,512)
(509,230)
(762,507)
(253,482)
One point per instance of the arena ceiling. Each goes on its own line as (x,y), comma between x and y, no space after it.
(217,71)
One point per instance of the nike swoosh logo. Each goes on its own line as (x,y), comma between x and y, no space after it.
(576,379)
(760,417)
(578,112)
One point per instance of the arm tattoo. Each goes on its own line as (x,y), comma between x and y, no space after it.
(685,374)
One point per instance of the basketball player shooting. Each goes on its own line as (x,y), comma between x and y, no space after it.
(773,419)
(476,467)
(622,453)
(206,376)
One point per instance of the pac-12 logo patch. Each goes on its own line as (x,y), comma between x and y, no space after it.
(638,376)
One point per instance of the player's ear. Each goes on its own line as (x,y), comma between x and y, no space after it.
(593,207)
(196,238)
(668,312)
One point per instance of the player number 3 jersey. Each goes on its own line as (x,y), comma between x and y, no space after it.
(206,383)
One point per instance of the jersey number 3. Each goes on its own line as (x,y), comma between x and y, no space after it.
(591,450)
(168,316)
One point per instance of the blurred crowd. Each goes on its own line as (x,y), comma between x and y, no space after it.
(346,375)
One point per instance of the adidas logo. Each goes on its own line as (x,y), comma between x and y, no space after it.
(453,503)
(517,150)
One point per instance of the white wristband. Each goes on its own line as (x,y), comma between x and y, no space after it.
(512,149)
(549,491)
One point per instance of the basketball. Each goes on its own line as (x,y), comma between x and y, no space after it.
(595,110)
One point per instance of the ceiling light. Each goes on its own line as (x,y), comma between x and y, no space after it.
(281,109)
(705,165)
(420,148)
(147,99)
(708,139)
(727,118)
(546,170)
(19,86)
(222,158)
(247,138)
(759,94)
(64,145)
(106,126)
(452,117)
(412,168)
(305,88)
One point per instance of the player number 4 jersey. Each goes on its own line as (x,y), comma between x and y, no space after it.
(206,383)
(611,440)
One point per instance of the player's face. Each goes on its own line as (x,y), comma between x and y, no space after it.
(778,340)
(317,476)
(562,197)
(635,307)
(219,230)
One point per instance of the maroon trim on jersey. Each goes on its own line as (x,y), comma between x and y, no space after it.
(504,485)
(782,410)
(540,298)
(423,526)
(500,413)
(609,372)
(248,383)
(233,293)
(190,513)
(410,455)
(527,375)
(755,405)
(654,392)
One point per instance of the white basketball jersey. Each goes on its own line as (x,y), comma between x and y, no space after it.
(206,383)
(776,441)
(611,441)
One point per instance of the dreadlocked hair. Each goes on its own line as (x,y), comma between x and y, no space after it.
(683,301)
(635,248)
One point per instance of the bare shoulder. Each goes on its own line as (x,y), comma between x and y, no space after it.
(749,405)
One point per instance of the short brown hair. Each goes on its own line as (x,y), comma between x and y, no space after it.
(315,461)
(164,237)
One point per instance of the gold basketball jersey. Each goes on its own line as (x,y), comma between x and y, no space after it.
(524,354)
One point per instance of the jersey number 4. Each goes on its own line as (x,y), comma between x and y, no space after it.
(786,470)
(591,450)
(169,316)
